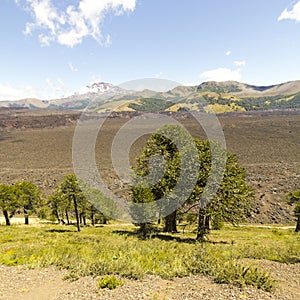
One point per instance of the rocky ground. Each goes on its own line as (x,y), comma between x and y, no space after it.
(49,283)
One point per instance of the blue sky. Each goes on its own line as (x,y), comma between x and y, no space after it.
(51,48)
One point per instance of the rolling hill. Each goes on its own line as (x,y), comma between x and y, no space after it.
(217,97)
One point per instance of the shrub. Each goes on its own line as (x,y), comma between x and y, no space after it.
(109,282)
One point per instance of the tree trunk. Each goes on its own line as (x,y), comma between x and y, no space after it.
(26,217)
(7,221)
(201,230)
(143,230)
(170,222)
(298,224)
(67,217)
(57,216)
(104,220)
(84,220)
(92,217)
(76,212)
(207,223)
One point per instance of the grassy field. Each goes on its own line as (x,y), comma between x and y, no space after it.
(117,250)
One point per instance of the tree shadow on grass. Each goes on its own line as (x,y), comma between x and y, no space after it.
(166,237)
(60,230)
(155,235)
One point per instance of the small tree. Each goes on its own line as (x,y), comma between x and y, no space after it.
(29,198)
(68,192)
(8,201)
(60,206)
(294,199)
(99,207)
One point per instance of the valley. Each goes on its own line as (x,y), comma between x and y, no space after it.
(36,145)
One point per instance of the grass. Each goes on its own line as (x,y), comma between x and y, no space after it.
(115,250)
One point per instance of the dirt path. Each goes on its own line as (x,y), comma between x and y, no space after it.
(49,284)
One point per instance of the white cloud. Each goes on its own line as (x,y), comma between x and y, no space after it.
(292,14)
(221,74)
(55,85)
(8,92)
(50,89)
(72,67)
(240,63)
(69,27)
(228,53)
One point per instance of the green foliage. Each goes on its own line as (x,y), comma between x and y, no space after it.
(109,282)
(217,222)
(151,104)
(217,88)
(173,146)
(143,207)
(74,198)
(8,198)
(69,193)
(294,199)
(233,195)
(258,103)
(30,199)
(235,273)
(24,196)
(102,205)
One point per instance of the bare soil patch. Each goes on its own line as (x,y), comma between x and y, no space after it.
(49,283)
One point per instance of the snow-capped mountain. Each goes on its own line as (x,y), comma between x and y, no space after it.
(96,87)
(100,92)
(208,96)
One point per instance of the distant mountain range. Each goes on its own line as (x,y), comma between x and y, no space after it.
(217,97)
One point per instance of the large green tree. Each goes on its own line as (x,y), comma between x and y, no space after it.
(226,199)
(166,164)
(294,199)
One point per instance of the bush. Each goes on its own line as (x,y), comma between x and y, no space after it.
(237,274)
(109,282)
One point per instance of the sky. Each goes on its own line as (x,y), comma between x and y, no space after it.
(53,48)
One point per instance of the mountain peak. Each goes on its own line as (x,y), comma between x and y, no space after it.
(98,87)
